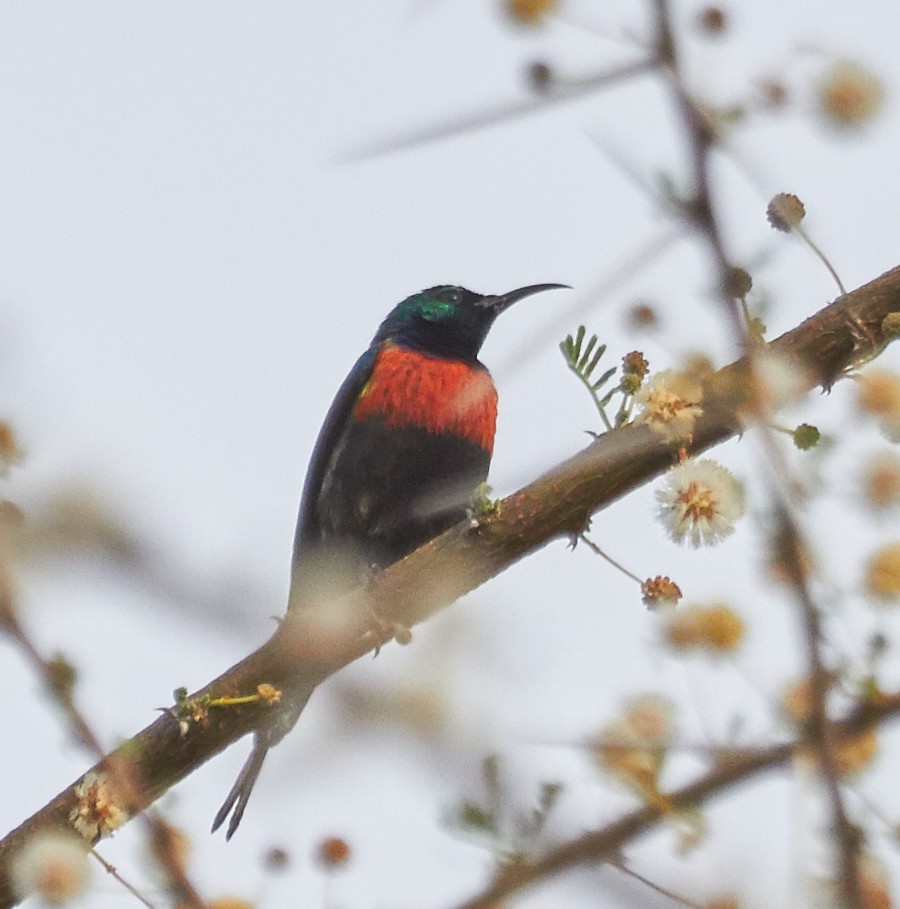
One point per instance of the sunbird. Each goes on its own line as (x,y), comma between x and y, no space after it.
(403,449)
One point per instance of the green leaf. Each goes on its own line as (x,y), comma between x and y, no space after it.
(582,359)
(472,816)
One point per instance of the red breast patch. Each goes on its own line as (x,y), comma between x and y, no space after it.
(408,388)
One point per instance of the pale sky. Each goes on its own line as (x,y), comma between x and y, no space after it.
(193,254)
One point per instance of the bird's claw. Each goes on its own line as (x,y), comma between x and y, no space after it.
(385,630)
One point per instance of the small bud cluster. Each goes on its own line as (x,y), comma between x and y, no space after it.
(633,748)
(10,450)
(660,593)
(333,853)
(851,755)
(717,629)
(643,316)
(850,95)
(879,395)
(268,694)
(883,573)
(806,436)
(530,12)
(634,370)
(712,20)
(785,212)
(881,481)
(738,282)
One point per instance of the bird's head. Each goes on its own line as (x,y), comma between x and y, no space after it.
(449,321)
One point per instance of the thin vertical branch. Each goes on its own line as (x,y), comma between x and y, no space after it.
(701,140)
(793,559)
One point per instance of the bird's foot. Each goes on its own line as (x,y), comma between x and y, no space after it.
(384,630)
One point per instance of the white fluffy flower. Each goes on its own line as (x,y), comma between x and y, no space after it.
(52,866)
(99,810)
(700,502)
(670,404)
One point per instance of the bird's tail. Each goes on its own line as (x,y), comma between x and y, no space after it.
(240,791)
(271,734)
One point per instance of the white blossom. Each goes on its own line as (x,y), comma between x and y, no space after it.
(700,502)
(52,866)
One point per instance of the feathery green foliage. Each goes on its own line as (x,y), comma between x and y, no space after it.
(583,359)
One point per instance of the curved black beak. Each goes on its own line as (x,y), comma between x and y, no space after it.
(503,301)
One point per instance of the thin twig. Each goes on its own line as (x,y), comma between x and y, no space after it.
(502,114)
(823,258)
(598,551)
(793,560)
(113,872)
(658,888)
(45,670)
(701,140)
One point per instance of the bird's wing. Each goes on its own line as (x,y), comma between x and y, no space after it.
(329,441)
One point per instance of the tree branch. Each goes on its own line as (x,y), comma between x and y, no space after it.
(605,844)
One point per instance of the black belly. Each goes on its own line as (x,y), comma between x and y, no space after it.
(386,492)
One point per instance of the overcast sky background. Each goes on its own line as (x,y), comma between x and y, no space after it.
(194,248)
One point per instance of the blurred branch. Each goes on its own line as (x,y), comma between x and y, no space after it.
(77,522)
(56,674)
(317,641)
(793,559)
(702,139)
(605,844)
(59,677)
(551,96)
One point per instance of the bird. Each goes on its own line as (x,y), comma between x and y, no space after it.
(399,458)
